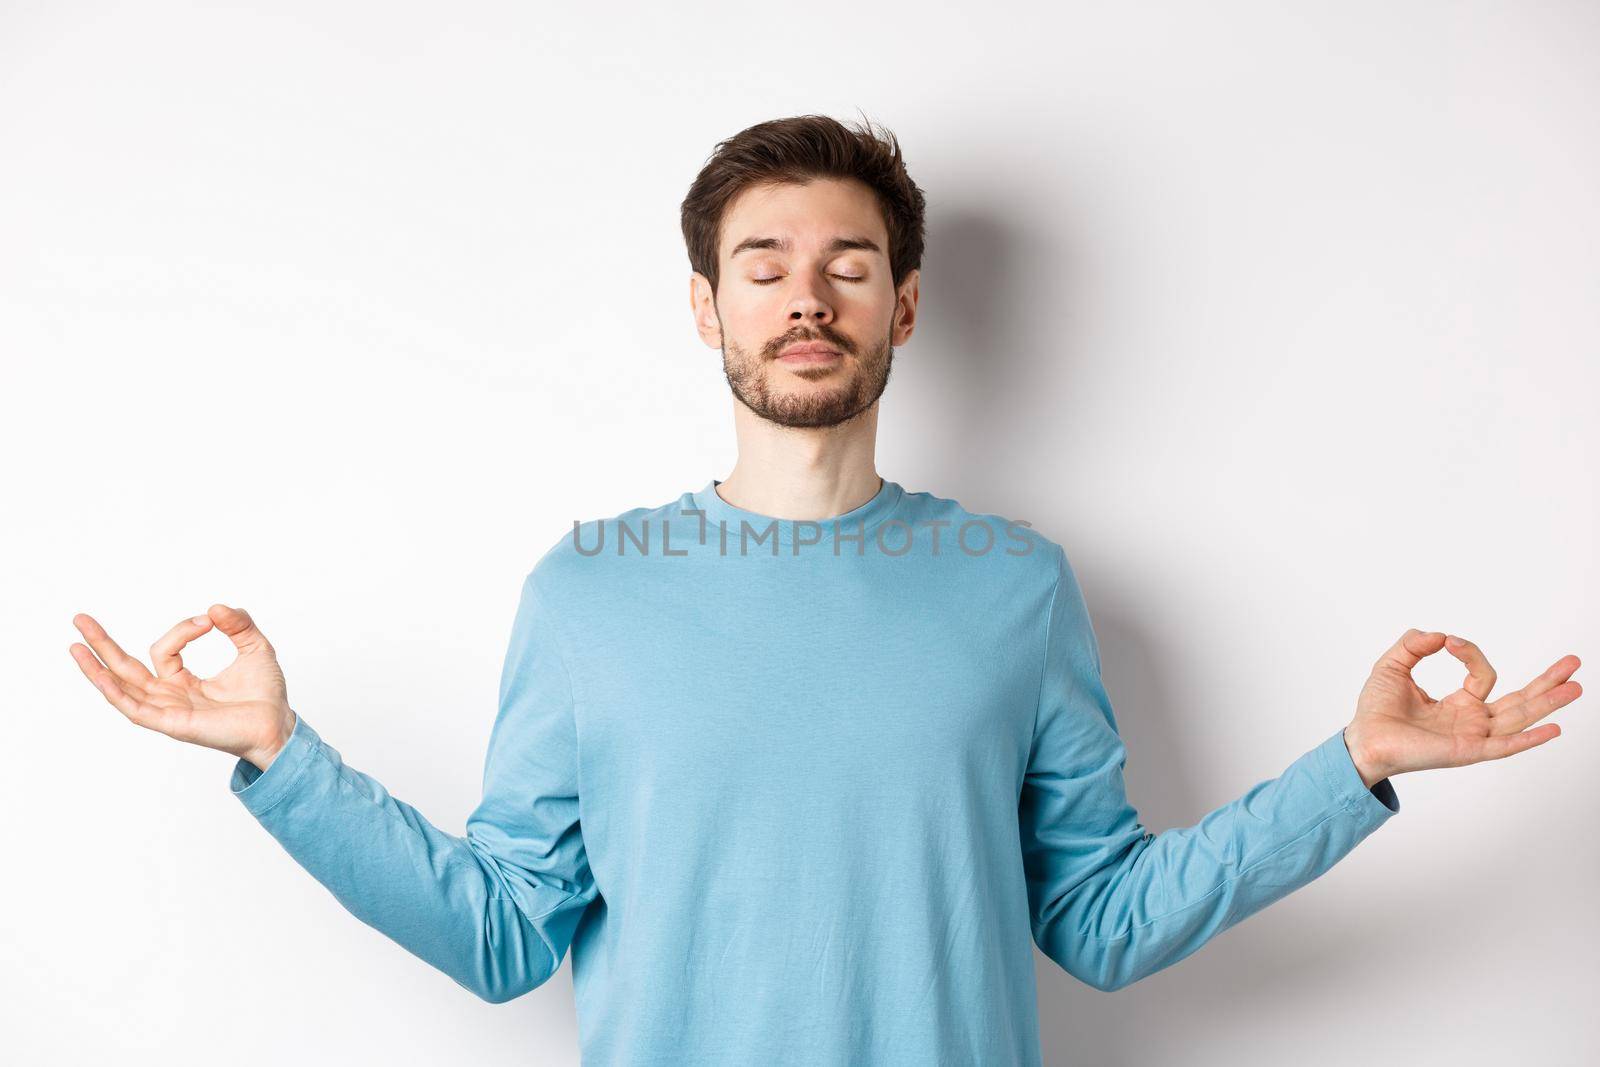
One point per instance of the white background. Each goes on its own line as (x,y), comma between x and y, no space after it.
(1282,318)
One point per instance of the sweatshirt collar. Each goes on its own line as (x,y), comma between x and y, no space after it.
(860,519)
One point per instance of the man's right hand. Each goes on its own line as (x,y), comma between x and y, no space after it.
(244,710)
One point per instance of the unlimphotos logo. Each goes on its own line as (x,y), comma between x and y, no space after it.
(891,537)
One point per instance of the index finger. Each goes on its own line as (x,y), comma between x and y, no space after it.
(165,652)
(1480,675)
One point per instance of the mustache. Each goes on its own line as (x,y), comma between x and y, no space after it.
(832,340)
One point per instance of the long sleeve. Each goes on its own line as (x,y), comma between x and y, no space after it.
(496,909)
(1111,902)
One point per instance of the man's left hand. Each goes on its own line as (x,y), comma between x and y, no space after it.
(1398,727)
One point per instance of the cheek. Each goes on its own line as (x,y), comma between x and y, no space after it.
(749,314)
(865,305)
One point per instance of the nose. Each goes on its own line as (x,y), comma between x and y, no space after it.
(808,305)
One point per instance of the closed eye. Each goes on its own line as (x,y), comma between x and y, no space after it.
(841,277)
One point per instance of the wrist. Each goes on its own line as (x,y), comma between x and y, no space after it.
(263,755)
(1371,771)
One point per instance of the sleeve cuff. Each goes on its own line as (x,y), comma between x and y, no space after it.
(1374,805)
(259,790)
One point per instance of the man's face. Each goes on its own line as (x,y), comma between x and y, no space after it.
(805,263)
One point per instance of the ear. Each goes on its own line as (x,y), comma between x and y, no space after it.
(905,309)
(703,303)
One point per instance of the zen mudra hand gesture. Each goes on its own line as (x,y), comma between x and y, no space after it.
(1397,726)
(244,710)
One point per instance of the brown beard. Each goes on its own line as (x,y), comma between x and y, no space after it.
(863,380)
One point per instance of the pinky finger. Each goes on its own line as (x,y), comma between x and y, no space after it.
(1510,744)
(137,711)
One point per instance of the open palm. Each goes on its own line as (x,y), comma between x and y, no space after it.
(1398,727)
(243,710)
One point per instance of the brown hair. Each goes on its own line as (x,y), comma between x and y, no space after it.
(798,150)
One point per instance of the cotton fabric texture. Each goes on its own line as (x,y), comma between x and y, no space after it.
(807,801)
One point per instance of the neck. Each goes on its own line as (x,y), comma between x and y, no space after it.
(802,473)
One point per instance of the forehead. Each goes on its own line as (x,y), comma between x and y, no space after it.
(807,216)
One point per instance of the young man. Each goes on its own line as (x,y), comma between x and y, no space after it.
(802,763)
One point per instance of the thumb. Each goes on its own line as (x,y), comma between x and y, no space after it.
(240,628)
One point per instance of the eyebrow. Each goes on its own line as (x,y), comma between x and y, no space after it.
(838,244)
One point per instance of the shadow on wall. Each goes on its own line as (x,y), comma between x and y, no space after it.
(1224,988)
(977,393)
(1004,334)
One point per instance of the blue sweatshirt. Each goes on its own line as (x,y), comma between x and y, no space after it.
(804,792)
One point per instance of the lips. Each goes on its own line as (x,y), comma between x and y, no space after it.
(809,350)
